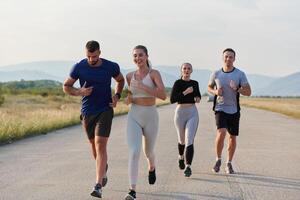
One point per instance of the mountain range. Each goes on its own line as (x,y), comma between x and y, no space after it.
(58,70)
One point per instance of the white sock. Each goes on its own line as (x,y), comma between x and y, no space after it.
(218,158)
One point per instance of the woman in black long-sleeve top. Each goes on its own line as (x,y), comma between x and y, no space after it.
(186,93)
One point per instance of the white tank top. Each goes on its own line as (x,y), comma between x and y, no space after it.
(146,81)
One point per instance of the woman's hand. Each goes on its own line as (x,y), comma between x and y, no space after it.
(188,90)
(137,84)
(197,99)
(128,99)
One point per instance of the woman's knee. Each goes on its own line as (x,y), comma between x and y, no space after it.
(149,155)
(134,154)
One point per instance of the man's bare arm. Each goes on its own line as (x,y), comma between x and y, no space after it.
(119,83)
(245,90)
(68,88)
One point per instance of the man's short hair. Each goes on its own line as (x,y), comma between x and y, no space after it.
(92,46)
(230,50)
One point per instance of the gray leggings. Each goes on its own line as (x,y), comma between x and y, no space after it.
(186,121)
(142,123)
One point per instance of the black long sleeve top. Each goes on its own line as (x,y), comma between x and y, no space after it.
(180,86)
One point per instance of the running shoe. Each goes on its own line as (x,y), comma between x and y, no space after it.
(181,164)
(217,166)
(229,169)
(97,192)
(152,177)
(188,171)
(131,195)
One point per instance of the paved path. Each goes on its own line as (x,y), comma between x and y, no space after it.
(59,165)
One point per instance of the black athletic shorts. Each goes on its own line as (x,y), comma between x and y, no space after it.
(229,121)
(99,124)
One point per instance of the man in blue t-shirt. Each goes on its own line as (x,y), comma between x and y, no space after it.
(227,84)
(94,74)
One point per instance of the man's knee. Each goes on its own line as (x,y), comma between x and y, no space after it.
(232,138)
(100,143)
(221,133)
(92,141)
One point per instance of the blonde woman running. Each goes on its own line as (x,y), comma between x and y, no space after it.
(186,93)
(145,85)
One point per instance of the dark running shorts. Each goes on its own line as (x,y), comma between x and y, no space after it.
(229,121)
(99,124)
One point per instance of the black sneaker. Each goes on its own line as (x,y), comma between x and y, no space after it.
(152,177)
(131,195)
(181,164)
(217,166)
(229,169)
(187,172)
(97,192)
(105,179)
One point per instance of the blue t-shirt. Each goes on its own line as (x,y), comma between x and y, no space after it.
(100,79)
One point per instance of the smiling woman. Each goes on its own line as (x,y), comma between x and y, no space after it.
(145,85)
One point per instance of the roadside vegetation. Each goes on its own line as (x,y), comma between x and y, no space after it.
(289,106)
(38,107)
(1,97)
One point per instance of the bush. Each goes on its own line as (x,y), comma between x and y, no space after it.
(1,99)
(1,96)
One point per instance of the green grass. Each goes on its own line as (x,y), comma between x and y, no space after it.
(26,115)
(287,106)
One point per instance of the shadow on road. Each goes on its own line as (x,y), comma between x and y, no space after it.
(256,180)
(184,196)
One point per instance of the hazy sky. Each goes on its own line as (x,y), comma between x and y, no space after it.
(264,33)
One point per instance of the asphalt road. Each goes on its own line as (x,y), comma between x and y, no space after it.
(59,165)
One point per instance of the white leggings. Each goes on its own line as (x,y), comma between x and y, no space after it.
(142,121)
(186,122)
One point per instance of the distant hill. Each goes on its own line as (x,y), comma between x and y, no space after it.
(54,68)
(258,82)
(59,70)
(285,86)
(18,75)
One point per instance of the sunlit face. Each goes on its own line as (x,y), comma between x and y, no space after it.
(186,70)
(93,57)
(139,57)
(228,58)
